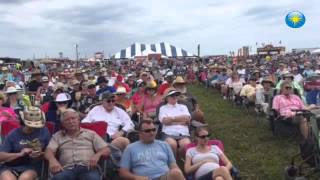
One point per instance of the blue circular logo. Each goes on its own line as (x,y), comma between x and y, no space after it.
(295,19)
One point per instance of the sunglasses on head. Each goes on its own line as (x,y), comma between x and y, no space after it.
(149,130)
(203,136)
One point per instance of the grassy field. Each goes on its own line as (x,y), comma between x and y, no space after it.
(248,144)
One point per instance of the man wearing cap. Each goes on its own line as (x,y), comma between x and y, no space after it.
(102,82)
(21,153)
(175,119)
(119,122)
(78,150)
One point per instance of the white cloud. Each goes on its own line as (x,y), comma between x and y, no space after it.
(51,26)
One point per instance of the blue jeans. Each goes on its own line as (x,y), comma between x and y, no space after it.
(78,173)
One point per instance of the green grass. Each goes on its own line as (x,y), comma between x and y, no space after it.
(248,144)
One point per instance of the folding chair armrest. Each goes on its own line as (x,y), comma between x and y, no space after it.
(235,173)
(196,124)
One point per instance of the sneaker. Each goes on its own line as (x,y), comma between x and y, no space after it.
(224,97)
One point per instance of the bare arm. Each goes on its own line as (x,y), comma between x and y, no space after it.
(189,168)
(7,157)
(226,161)
(54,165)
(182,120)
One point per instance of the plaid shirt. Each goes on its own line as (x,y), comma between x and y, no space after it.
(77,150)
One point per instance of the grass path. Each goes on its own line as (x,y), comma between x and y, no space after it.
(248,144)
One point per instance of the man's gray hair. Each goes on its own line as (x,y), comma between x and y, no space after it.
(69,110)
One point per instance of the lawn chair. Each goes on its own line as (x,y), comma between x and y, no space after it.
(309,166)
(234,171)
(100,127)
(7,126)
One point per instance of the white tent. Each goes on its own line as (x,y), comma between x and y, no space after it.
(165,49)
(317,51)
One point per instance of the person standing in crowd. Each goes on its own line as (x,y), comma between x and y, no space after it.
(149,158)
(78,150)
(21,153)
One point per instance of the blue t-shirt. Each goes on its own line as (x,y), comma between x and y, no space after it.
(17,140)
(106,89)
(151,160)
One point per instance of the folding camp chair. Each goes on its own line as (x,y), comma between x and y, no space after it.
(234,171)
(100,127)
(7,126)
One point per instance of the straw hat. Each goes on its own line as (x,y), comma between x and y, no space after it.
(179,80)
(33,117)
(268,80)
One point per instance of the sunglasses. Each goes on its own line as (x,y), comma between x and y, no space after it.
(110,100)
(60,103)
(149,130)
(203,136)
(288,87)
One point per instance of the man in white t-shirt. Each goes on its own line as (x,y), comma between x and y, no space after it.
(175,119)
(119,122)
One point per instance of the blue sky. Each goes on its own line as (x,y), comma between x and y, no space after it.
(46,27)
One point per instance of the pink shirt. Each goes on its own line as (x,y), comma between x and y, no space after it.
(151,105)
(7,114)
(284,105)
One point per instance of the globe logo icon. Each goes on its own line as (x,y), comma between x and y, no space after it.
(295,19)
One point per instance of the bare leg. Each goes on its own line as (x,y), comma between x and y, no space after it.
(222,172)
(7,175)
(175,174)
(173,144)
(28,175)
(121,143)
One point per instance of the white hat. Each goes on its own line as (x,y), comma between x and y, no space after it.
(11,90)
(121,90)
(172,92)
(62,97)
(169,73)
(45,79)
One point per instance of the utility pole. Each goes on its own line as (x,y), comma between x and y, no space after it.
(77,56)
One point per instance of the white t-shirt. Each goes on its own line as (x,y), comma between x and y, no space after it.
(117,117)
(169,110)
(197,156)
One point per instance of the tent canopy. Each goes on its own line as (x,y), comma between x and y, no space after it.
(317,51)
(138,49)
